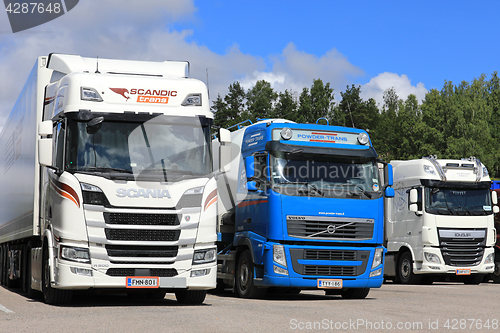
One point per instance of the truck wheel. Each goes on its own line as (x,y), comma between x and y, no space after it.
(474,279)
(495,276)
(405,270)
(52,296)
(190,296)
(244,278)
(355,293)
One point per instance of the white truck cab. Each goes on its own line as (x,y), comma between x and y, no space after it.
(440,221)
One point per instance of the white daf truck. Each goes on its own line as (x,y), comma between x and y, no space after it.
(440,221)
(108,182)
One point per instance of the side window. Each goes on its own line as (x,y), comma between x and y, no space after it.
(260,165)
(59,139)
(419,202)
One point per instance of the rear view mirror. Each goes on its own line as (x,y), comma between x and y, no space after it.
(94,125)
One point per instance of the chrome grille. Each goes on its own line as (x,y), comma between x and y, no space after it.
(141,251)
(330,270)
(317,227)
(329,255)
(459,251)
(161,272)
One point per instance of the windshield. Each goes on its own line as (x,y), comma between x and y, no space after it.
(449,201)
(159,148)
(325,175)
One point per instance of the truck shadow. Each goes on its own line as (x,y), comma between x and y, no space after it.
(303,296)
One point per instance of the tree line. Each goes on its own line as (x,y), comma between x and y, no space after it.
(455,122)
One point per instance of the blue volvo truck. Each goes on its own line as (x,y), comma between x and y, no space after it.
(300,206)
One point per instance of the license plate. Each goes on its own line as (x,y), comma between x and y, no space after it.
(143,282)
(334,284)
(463,271)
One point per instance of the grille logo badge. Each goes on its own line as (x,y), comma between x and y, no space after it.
(331,229)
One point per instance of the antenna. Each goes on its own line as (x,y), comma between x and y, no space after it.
(208,86)
(97,66)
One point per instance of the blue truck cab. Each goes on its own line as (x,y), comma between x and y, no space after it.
(301,206)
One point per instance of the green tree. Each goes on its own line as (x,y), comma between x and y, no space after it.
(260,100)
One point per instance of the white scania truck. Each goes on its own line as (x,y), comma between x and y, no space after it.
(106,171)
(440,221)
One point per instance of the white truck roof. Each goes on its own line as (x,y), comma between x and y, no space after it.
(463,170)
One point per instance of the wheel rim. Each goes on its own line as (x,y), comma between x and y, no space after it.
(405,269)
(244,275)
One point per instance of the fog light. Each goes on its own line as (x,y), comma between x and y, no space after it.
(434,267)
(376,272)
(279,270)
(431,257)
(489,259)
(200,272)
(81,271)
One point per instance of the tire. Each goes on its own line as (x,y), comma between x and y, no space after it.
(355,293)
(495,276)
(8,282)
(244,278)
(190,296)
(50,295)
(405,270)
(474,279)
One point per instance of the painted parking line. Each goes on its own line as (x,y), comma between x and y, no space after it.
(4,309)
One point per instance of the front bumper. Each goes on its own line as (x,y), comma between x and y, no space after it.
(65,278)
(308,264)
(434,268)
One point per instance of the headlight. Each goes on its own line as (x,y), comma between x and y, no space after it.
(195,190)
(279,254)
(204,256)
(490,259)
(431,257)
(377,258)
(75,254)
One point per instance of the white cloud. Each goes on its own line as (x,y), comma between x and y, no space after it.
(294,70)
(401,84)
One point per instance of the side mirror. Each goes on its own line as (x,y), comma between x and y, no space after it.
(94,125)
(224,135)
(250,166)
(389,175)
(389,192)
(413,208)
(494,197)
(252,186)
(413,196)
(45,130)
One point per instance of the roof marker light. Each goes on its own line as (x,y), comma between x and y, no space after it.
(363,138)
(286,133)
(90,94)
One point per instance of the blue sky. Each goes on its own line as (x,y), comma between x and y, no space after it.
(411,46)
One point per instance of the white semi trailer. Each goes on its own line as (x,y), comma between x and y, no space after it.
(440,221)
(107,175)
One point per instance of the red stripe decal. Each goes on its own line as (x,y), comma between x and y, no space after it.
(318,133)
(250,203)
(208,200)
(65,191)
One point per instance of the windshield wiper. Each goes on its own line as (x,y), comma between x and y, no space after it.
(310,186)
(105,169)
